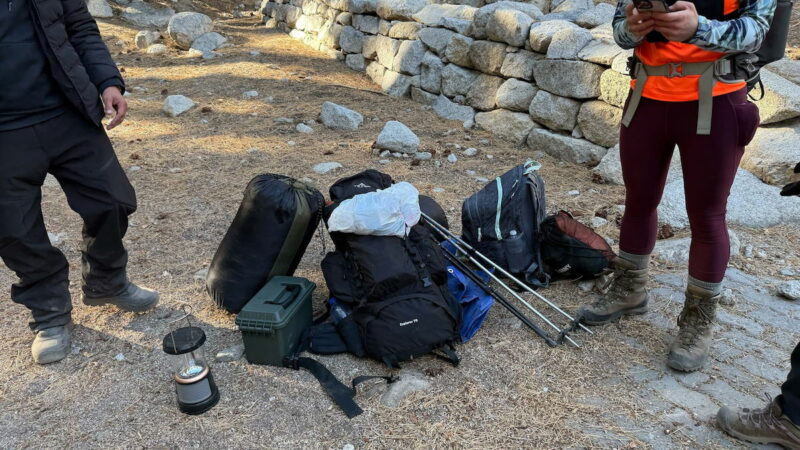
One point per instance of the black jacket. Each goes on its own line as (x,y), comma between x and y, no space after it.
(78,57)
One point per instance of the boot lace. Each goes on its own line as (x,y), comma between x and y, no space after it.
(613,284)
(695,320)
(766,417)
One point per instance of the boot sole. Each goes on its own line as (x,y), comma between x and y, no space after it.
(102,301)
(682,368)
(602,320)
(762,441)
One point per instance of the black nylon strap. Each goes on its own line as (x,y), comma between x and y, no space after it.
(339,393)
(449,355)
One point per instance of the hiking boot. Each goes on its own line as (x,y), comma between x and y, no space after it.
(624,293)
(690,349)
(132,298)
(51,344)
(763,426)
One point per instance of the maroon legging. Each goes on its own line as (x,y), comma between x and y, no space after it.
(709,167)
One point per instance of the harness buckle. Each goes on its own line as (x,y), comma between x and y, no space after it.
(675,70)
(723,67)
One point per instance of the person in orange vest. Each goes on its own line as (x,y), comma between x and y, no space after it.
(684,93)
(779,421)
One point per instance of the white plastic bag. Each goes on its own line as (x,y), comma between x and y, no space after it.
(389,212)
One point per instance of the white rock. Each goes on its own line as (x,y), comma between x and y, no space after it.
(470,152)
(751,203)
(397,137)
(423,155)
(452,157)
(146,38)
(509,26)
(340,118)
(519,65)
(564,147)
(55,238)
(508,125)
(185,27)
(598,222)
(599,123)
(774,152)
(156,49)
(790,290)
(409,382)
(436,39)
(515,95)
(575,79)
(399,9)
(230,354)
(600,14)
(144,15)
(446,109)
(99,9)
(208,42)
(323,168)
(568,42)
(175,105)
(541,33)
(676,250)
(574,193)
(457,80)
(249,95)
(303,128)
(119,357)
(556,113)
(781,99)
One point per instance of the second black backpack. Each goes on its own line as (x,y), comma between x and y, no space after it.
(502,221)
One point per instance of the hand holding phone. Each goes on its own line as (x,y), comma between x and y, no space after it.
(656,6)
(639,23)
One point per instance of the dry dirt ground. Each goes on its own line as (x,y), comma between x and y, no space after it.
(510,391)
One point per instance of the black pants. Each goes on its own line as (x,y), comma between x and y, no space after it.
(81,158)
(790,391)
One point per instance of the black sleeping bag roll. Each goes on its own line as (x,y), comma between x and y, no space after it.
(267,238)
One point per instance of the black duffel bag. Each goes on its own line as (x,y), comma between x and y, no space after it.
(571,249)
(268,237)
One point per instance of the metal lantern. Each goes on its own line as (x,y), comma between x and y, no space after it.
(194,384)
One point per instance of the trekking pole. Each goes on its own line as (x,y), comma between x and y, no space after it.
(504,272)
(562,333)
(460,265)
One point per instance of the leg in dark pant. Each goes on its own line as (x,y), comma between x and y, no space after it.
(43,286)
(646,148)
(790,391)
(96,188)
(81,157)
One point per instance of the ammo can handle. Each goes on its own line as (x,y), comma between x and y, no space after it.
(288,294)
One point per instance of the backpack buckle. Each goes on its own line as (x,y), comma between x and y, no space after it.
(675,70)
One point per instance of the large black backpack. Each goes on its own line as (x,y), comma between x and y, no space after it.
(502,221)
(268,237)
(396,292)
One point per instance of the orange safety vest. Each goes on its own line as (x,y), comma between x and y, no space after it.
(681,89)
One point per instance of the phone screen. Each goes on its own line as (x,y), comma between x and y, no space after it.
(660,6)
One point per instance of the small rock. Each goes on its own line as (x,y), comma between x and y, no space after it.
(175,105)
(748,251)
(286,120)
(598,222)
(146,38)
(119,357)
(787,272)
(290,143)
(397,137)
(230,354)
(349,447)
(727,298)
(385,154)
(470,152)
(201,274)
(185,27)
(338,117)
(384,161)
(586,286)
(481,180)
(249,95)
(790,290)
(134,169)
(408,383)
(99,9)
(574,193)
(303,128)
(255,53)
(438,190)
(423,155)
(156,49)
(56,238)
(452,157)
(489,156)
(323,168)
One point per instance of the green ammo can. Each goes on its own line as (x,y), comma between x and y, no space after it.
(273,321)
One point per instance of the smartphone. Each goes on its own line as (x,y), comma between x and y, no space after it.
(659,6)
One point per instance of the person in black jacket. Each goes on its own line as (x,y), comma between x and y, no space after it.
(57,83)
(779,421)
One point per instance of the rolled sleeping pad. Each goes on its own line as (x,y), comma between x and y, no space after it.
(268,237)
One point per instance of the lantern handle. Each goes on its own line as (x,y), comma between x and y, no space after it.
(187,313)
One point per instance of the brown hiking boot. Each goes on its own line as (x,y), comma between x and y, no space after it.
(624,293)
(763,426)
(690,349)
